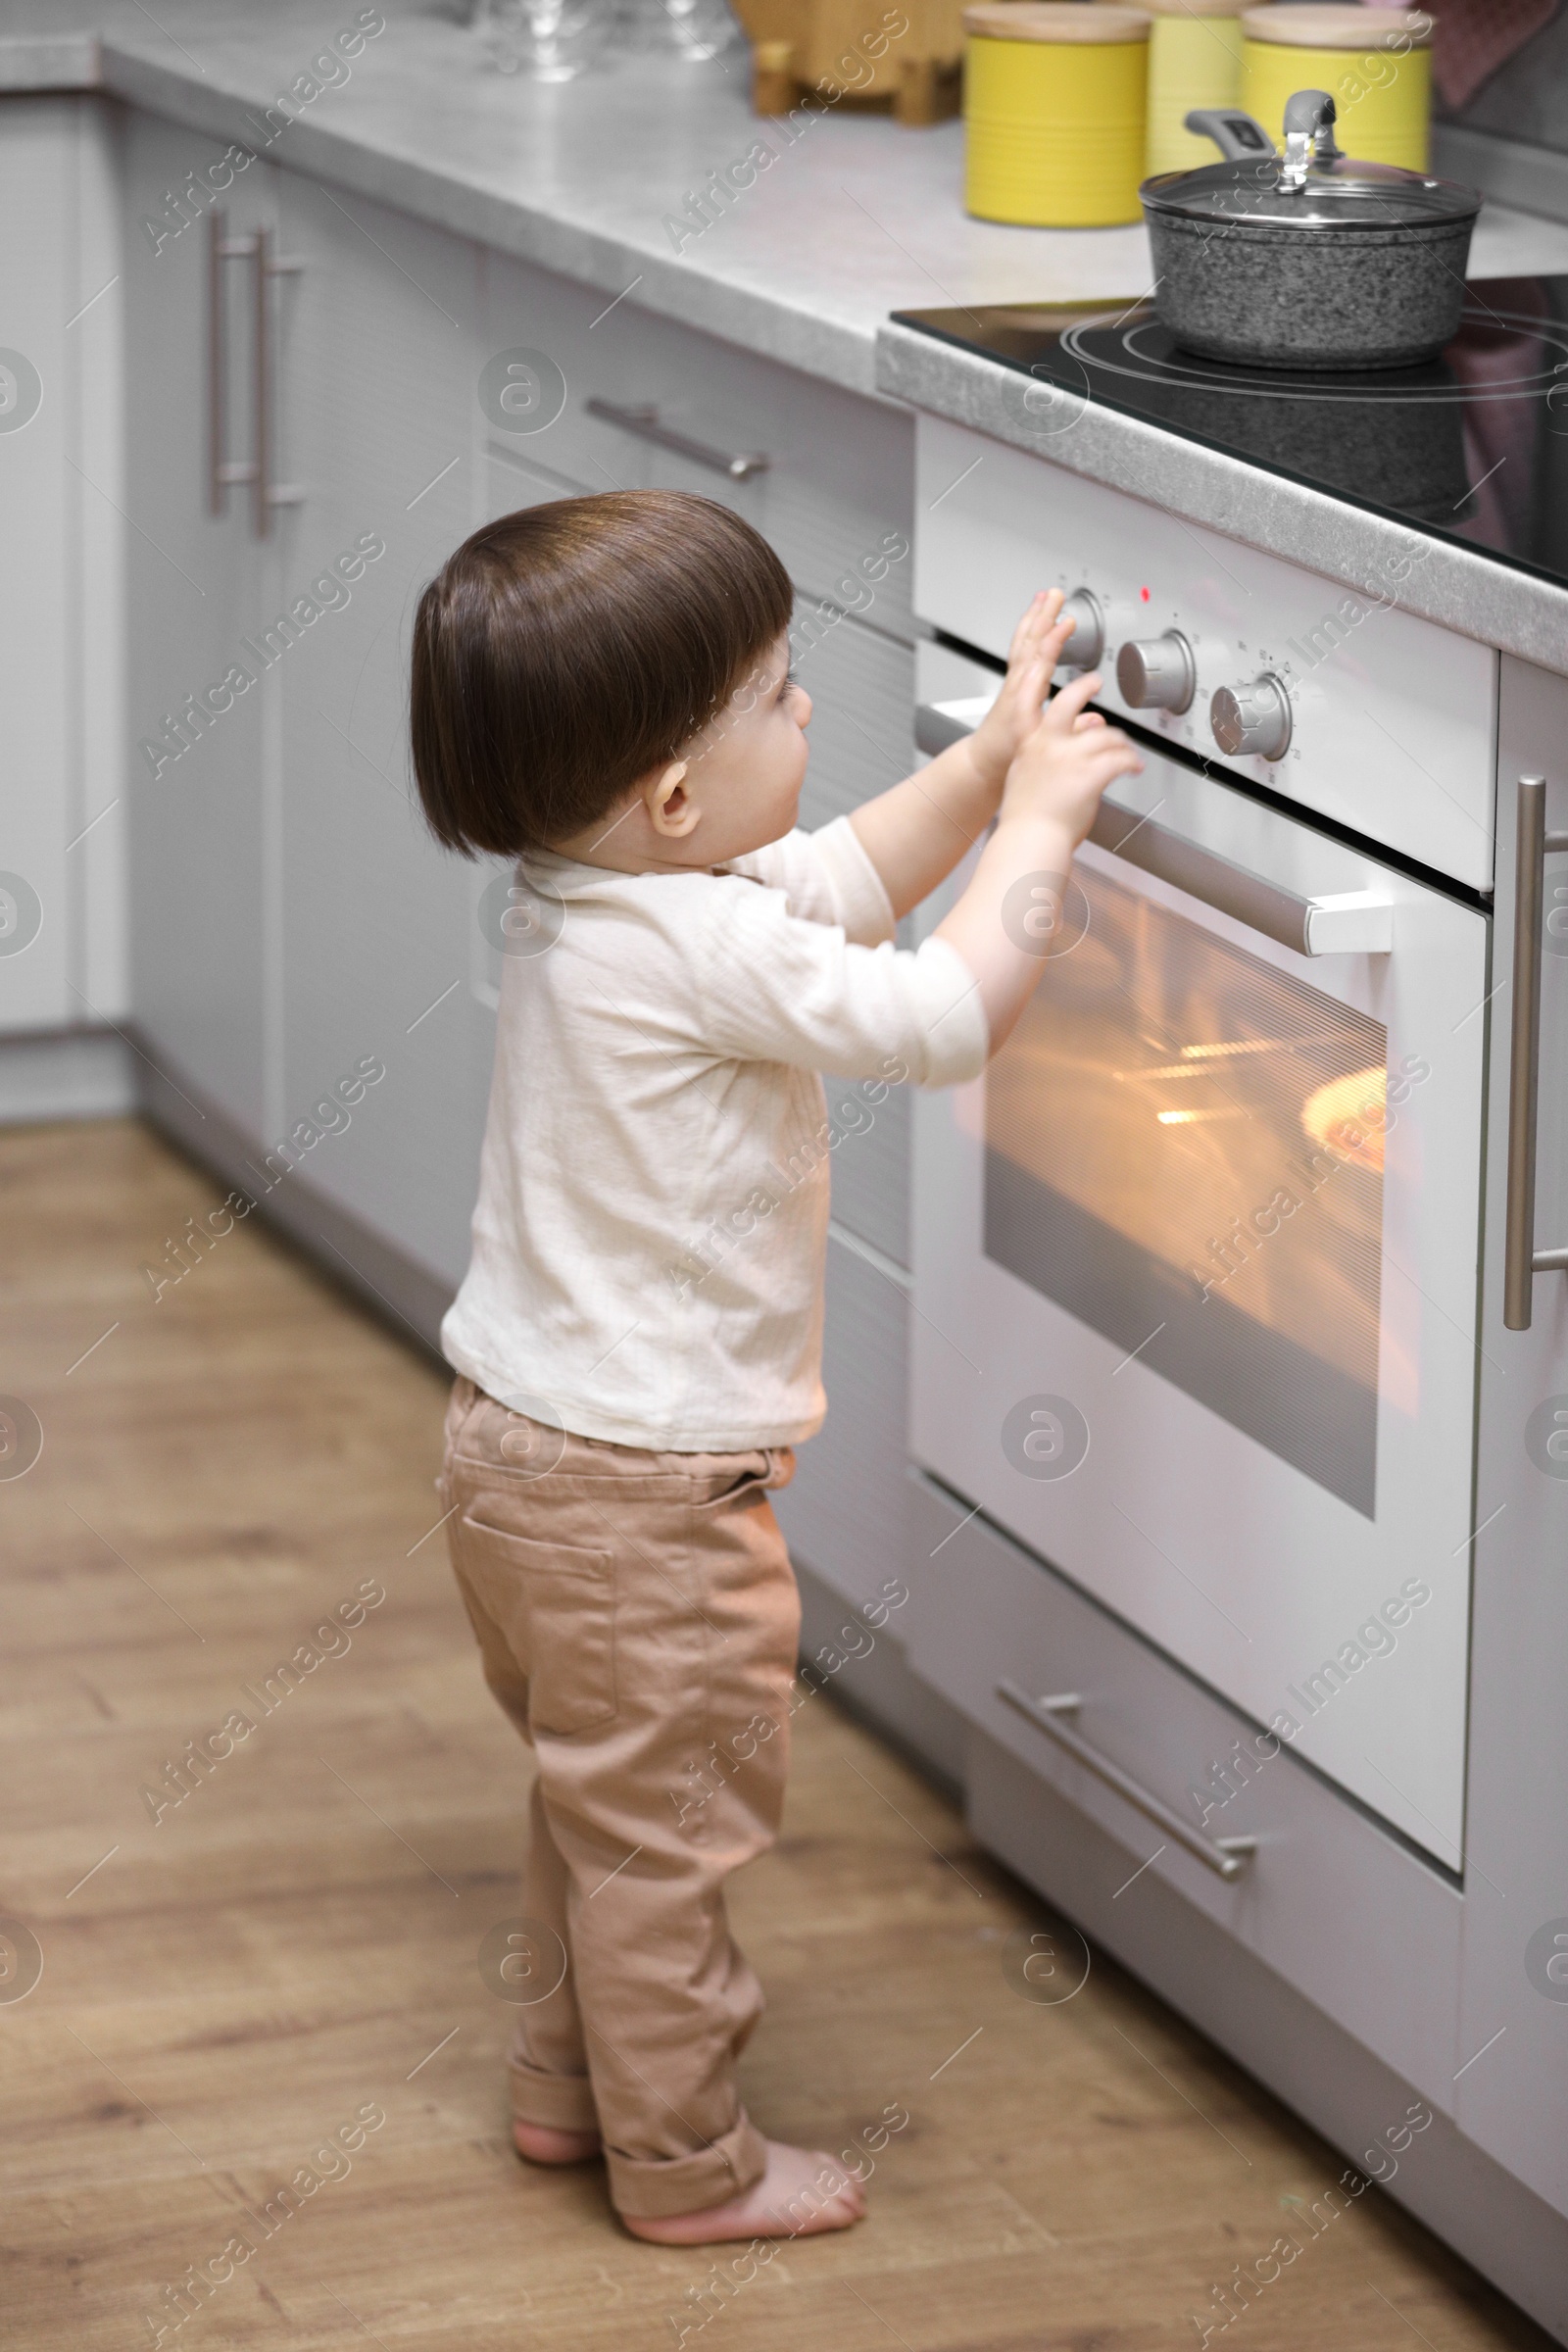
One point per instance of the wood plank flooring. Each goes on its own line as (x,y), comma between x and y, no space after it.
(295,1942)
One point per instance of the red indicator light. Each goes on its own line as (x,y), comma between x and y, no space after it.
(1142,595)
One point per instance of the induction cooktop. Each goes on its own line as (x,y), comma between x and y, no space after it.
(1472,445)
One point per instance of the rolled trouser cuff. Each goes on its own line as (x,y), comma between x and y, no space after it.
(652,2187)
(564,2102)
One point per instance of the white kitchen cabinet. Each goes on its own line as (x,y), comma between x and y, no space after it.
(201,790)
(294,918)
(62,804)
(295,922)
(379,428)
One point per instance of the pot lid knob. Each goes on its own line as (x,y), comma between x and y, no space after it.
(1310,118)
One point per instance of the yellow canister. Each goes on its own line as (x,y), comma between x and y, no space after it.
(1194,59)
(1055,111)
(1375,63)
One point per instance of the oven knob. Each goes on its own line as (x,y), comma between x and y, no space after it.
(1157,673)
(1253,718)
(1087,642)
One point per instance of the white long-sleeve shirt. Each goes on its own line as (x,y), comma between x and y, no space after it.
(651,1232)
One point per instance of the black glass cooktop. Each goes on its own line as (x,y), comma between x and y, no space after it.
(1472,445)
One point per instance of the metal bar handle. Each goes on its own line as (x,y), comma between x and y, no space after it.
(1354,923)
(1522,1260)
(265,494)
(224,474)
(221,471)
(1227,1857)
(642,418)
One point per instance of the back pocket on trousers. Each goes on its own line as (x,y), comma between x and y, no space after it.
(557,1608)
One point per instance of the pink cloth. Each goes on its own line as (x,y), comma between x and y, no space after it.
(1474,37)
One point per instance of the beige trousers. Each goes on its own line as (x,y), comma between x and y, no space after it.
(638,1619)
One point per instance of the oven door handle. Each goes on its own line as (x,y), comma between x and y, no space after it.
(1522,1260)
(1227,1857)
(1357,922)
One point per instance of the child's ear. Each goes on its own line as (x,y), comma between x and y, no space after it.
(670,807)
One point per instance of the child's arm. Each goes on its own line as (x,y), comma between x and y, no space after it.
(915,834)
(1048,801)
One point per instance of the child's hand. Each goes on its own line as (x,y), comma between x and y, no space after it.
(1067,760)
(1048,799)
(1034,653)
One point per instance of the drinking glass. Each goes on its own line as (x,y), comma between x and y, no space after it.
(547,41)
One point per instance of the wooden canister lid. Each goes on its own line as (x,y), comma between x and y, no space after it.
(1054,21)
(1318,24)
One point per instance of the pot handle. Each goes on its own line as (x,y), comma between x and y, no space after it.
(1238,136)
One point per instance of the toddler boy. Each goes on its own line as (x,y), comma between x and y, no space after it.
(601,690)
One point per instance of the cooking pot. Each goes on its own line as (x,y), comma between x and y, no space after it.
(1307,260)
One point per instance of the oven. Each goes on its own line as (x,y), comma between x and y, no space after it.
(1195,1267)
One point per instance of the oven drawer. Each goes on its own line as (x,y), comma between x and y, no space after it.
(835,498)
(1325,1897)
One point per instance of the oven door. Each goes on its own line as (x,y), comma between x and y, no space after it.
(1196,1274)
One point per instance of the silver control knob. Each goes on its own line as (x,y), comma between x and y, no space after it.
(1253,718)
(1087,642)
(1157,673)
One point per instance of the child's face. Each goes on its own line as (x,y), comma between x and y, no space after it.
(745,770)
(735,787)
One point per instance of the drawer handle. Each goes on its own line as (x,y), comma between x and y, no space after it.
(1358,923)
(1228,1857)
(642,418)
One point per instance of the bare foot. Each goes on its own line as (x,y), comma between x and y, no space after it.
(541,2143)
(801,2192)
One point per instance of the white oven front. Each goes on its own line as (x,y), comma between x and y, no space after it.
(1195,1273)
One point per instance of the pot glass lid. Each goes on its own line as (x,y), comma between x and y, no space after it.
(1337,194)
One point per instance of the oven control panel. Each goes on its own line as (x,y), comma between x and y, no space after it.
(1370,716)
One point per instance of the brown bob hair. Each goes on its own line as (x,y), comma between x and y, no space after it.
(565,650)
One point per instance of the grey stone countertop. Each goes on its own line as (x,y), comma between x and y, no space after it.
(856,217)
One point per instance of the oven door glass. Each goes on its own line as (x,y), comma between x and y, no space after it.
(1195,1292)
(1184,1148)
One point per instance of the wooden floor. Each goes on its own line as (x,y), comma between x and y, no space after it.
(296,1941)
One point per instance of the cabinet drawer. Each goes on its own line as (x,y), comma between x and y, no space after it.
(839,485)
(845,1510)
(1328,1899)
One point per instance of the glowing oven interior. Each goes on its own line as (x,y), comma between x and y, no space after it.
(1184,1150)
